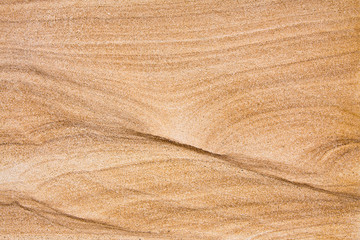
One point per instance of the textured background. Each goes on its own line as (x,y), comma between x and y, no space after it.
(179,119)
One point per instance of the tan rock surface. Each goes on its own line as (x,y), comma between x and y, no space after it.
(179,119)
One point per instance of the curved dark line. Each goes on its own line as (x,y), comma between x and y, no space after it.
(57,212)
(236,162)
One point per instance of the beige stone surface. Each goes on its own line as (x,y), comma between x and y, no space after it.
(149,119)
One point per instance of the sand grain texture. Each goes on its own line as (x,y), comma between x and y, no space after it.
(179,119)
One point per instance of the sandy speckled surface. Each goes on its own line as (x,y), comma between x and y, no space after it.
(149,119)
